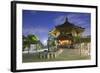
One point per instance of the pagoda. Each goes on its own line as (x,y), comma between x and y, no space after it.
(65,33)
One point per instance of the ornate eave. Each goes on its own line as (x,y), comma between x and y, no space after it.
(69,27)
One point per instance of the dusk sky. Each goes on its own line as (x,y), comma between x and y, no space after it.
(41,22)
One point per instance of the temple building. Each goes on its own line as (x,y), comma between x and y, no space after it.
(64,34)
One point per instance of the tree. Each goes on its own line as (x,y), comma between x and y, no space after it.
(30,39)
(25,42)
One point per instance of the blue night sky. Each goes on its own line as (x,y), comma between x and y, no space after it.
(41,22)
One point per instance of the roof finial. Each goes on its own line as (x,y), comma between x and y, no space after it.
(66,19)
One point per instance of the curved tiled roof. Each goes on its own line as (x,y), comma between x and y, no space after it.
(67,26)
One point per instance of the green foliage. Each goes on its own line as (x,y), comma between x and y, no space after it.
(86,40)
(25,42)
(53,43)
(30,39)
(77,39)
(82,39)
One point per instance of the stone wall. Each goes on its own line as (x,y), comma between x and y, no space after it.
(84,48)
